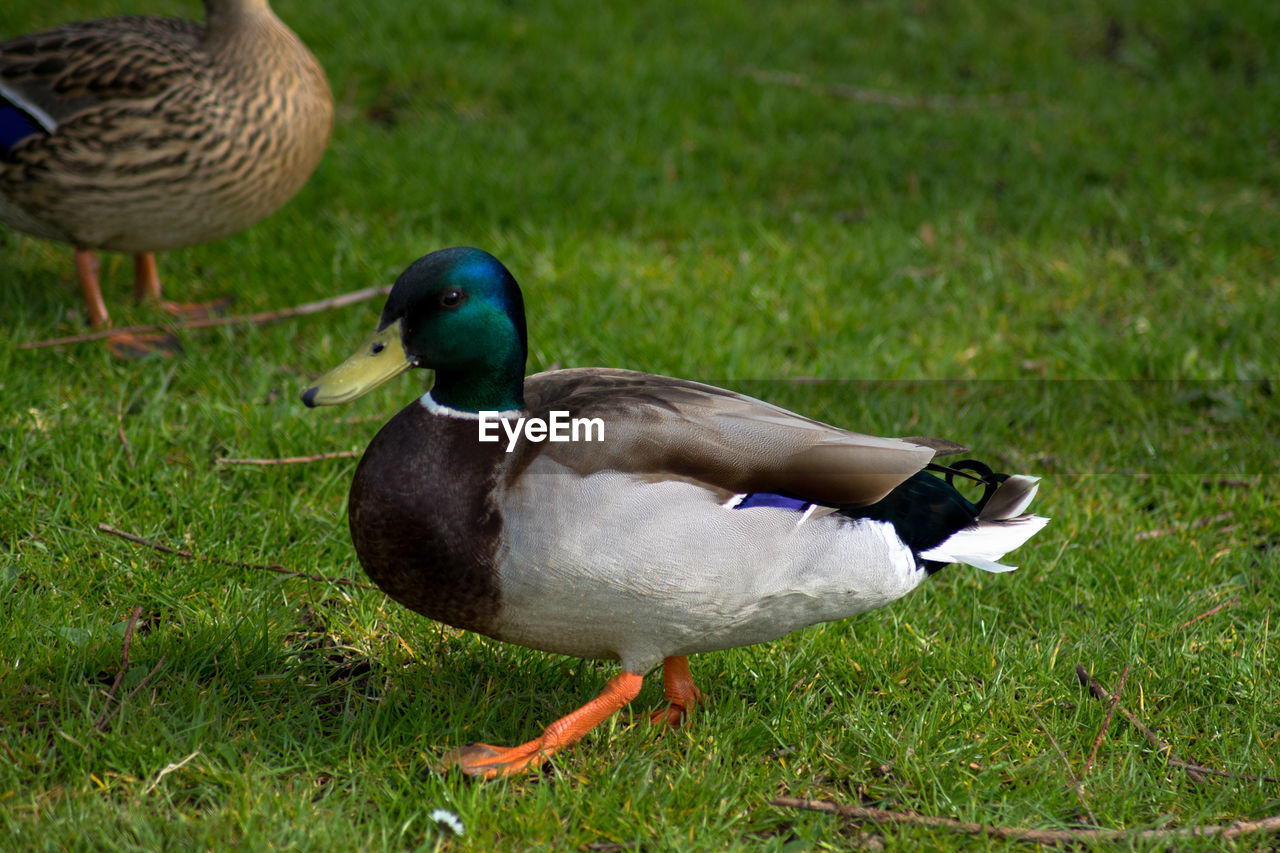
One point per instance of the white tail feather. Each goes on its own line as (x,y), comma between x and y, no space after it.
(982,545)
(1011,499)
(1000,528)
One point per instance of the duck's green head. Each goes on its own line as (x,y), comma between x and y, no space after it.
(456,311)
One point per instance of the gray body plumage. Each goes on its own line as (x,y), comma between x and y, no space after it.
(666,569)
(629,547)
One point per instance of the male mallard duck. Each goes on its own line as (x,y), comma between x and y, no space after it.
(140,134)
(694,518)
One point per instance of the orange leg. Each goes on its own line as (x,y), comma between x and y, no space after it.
(146,286)
(146,278)
(481,759)
(678,684)
(87,272)
(121,344)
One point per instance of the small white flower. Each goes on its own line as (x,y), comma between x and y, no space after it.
(450,820)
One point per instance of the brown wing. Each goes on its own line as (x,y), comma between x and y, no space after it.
(668,427)
(65,70)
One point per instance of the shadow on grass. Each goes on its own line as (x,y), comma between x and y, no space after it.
(255,696)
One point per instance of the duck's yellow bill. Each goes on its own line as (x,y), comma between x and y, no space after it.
(378,360)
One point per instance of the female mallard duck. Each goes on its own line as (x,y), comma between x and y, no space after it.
(681,518)
(140,134)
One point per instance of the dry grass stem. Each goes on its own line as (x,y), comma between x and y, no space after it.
(1106,723)
(291,460)
(1196,772)
(1036,836)
(258,319)
(264,567)
(101,723)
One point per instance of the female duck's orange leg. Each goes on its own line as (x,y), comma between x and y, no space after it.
(146,278)
(677,683)
(146,287)
(122,344)
(481,759)
(87,272)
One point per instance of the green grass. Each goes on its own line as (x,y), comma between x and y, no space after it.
(1061,251)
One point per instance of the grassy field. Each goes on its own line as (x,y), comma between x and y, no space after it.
(1049,233)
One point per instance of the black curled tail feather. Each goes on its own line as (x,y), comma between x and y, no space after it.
(941,526)
(1004,496)
(981,473)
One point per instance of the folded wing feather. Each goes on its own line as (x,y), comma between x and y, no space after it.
(664,427)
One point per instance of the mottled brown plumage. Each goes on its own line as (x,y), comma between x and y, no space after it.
(151,133)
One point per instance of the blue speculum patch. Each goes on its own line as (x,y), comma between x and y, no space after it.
(15,126)
(757,499)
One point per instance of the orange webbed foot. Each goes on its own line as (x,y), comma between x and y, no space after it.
(488,762)
(680,691)
(146,287)
(132,346)
(196,310)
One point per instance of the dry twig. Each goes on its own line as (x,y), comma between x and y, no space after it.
(1209,612)
(290,460)
(1106,722)
(258,319)
(1197,772)
(1035,836)
(263,567)
(101,723)
(145,679)
(128,449)
(1096,688)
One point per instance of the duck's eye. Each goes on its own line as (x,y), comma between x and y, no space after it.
(451,298)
